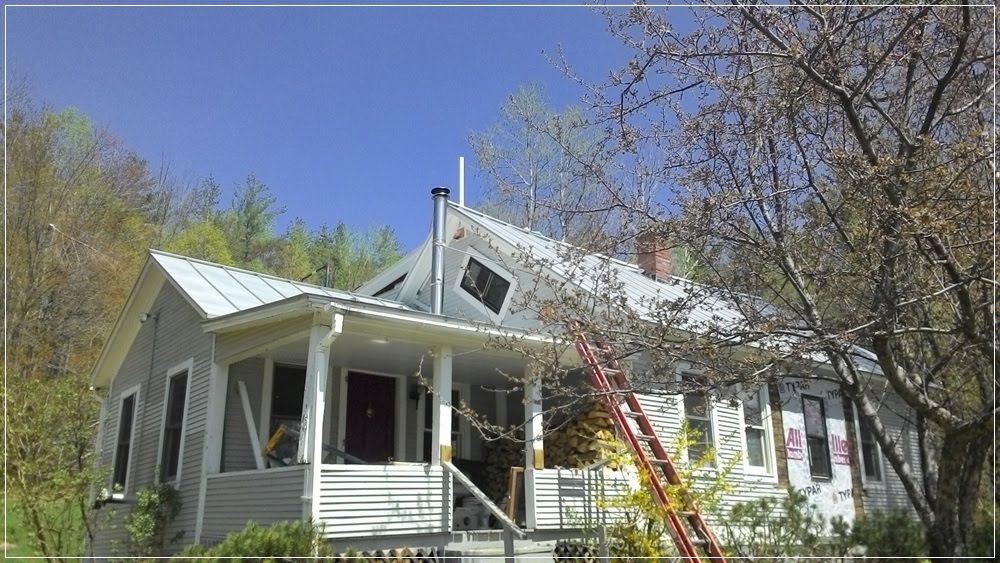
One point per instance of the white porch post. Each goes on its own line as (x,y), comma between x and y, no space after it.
(321,336)
(533,452)
(534,456)
(211,454)
(441,434)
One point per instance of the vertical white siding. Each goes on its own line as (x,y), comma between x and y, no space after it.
(384,500)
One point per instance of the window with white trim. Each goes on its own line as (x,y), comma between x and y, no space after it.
(173,425)
(814,413)
(698,412)
(758,436)
(871,456)
(123,442)
(487,286)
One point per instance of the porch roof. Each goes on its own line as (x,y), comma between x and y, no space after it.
(216,290)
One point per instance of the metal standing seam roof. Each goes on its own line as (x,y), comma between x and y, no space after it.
(642,293)
(219,290)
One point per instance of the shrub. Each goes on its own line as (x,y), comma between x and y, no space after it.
(156,506)
(642,531)
(300,538)
(889,534)
(768,528)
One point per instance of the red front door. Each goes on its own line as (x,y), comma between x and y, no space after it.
(371,417)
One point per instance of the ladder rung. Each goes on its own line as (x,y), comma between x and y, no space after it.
(646,437)
(631,414)
(699,542)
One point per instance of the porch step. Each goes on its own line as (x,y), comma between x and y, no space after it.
(492,551)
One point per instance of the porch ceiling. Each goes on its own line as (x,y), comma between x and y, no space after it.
(366,352)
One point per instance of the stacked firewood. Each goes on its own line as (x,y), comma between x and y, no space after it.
(500,455)
(585,439)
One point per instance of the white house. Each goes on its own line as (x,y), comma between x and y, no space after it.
(206,361)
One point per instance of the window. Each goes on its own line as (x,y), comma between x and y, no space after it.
(816,441)
(287,391)
(698,413)
(870,455)
(758,443)
(485,285)
(173,425)
(123,443)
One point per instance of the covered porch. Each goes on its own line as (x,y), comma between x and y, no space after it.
(368,400)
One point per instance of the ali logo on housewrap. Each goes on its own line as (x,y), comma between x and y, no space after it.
(793,444)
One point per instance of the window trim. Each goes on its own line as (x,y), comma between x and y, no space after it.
(494,267)
(770,471)
(133,391)
(879,457)
(464,434)
(185,367)
(711,418)
(826,438)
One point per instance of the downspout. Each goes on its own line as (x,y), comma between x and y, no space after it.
(440,196)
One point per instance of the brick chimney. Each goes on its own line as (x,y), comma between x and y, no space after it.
(654,255)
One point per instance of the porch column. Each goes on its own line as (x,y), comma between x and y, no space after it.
(321,336)
(441,434)
(211,453)
(534,456)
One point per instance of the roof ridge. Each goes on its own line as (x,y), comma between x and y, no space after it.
(544,237)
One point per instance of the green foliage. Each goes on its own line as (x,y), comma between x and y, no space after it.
(643,531)
(769,528)
(267,544)
(156,506)
(49,462)
(889,534)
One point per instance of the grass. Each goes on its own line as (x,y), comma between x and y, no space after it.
(17,535)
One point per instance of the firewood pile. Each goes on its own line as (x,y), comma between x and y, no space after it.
(587,438)
(500,456)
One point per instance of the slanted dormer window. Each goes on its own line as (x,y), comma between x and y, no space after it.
(489,287)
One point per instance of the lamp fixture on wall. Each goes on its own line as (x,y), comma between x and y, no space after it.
(416,393)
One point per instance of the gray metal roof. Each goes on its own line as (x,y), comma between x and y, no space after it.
(218,290)
(704,306)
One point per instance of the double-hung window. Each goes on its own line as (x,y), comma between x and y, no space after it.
(758,442)
(171,448)
(871,457)
(698,412)
(816,437)
(487,286)
(123,442)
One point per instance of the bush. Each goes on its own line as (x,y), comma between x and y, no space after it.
(768,528)
(889,534)
(156,506)
(267,544)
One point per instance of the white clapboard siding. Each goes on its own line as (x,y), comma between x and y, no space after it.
(576,498)
(382,500)
(234,499)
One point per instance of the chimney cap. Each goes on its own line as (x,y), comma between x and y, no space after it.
(440,190)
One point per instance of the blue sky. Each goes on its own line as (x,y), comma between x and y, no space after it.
(346,113)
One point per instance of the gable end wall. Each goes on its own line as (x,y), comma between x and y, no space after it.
(178,338)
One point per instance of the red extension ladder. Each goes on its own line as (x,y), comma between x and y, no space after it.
(609,378)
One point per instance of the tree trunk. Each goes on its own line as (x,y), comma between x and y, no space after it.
(962,456)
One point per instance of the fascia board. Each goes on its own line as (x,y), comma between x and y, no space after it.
(147,287)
